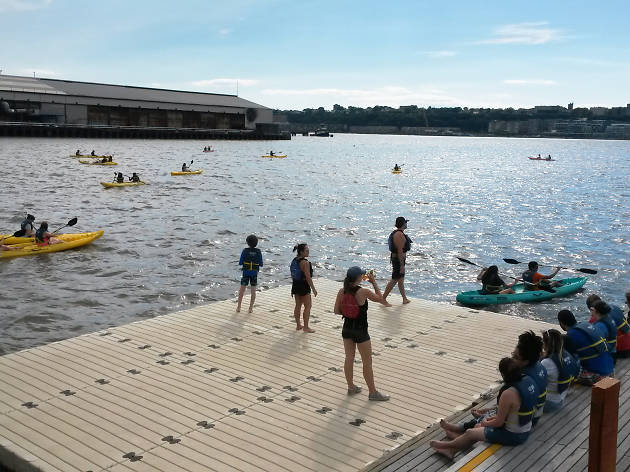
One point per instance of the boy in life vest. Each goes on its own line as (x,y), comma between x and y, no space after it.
(532,276)
(588,344)
(251,260)
(617,316)
(399,244)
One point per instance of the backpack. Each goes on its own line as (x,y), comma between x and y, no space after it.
(296,272)
(349,306)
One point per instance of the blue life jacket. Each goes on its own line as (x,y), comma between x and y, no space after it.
(390,242)
(620,320)
(296,272)
(568,369)
(251,259)
(528,391)
(39,235)
(538,373)
(608,327)
(528,276)
(27,225)
(590,348)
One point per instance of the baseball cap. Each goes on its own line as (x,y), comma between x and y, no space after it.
(354,272)
(401,221)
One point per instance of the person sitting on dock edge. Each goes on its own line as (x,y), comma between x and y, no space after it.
(352,304)
(399,244)
(251,260)
(619,319)
(606,325)
(562,369)
(588,344)
(527,354)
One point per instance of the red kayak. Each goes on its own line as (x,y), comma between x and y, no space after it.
(540,159)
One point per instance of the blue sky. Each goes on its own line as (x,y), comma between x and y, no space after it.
(297,54)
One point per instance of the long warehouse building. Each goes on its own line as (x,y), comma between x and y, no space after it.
(35,103)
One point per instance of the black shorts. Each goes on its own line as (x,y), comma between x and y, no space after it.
(357,335)
(396,275)
(246,279)
(300,287)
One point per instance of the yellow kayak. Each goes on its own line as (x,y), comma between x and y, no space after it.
(124,184)
(188,172)
(92,163)
(397,171)
(83,156)
(70,241)
(275,156)
(12,240)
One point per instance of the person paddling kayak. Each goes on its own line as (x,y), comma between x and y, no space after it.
(396,167)
(120,178)
(134,177)
(27,226)
(43,237)
(492,283)
(532,276)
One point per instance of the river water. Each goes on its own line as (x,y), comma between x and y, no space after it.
(176,241)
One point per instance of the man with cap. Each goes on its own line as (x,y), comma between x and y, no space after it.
(399,244)
(27,226)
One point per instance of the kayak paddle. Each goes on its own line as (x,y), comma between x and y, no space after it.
(583,270)
(72,222)
(18,234)
(546,289)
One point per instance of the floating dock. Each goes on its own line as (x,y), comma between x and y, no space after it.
(209,389)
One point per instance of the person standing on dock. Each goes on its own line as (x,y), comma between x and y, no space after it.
(352,304)
(302,286)
(251,260)
(399,244)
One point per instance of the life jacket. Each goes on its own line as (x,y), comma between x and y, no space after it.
(538,373)
(568,370)
(619,319)
(40,237)
(528,276)
(349,306)
(392,247)
(296,272)
(597,344)
(25,225)
(607,325)
(528,391)
(251,259)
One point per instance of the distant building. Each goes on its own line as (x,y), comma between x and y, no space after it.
(570,106)
(598,111)
(618,131)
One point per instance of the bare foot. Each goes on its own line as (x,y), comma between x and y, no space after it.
(238,309)
(449,427)
(308,330)
(386,303)
(406,300)
(445,451)
(298,327)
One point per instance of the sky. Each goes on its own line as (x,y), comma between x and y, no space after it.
(306,54)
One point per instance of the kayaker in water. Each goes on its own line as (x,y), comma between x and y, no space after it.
(549,157)
(510,426)
(134,178)
(271,153)
(532,276)
(399,244)
(352,304)
(302,286)
(78,153)
(185,167)
(251,260)
(43,237)
(120,178)
(105,159)
(396,167)
(492,283)
(27,226)
(617,316)
(562,368)
(528,353)
(93,153)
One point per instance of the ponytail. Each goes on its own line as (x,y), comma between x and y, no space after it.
(299,248)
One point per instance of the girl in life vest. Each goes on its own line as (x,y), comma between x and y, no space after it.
(562,369)
(302,286)
(43,237)
(512,423)
(352,304)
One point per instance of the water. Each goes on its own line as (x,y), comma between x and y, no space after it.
(176,242)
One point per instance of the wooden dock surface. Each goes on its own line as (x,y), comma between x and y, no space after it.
(208,389)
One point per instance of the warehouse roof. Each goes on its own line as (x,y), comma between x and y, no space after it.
(120,92)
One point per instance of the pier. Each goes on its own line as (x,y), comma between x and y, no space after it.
(211,389)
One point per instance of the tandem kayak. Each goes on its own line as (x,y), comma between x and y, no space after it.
(540,159)
(12,240)
(83,156)
(279,156)
(188,172)
(475,297)
(124,184)
(70,241)
(92,163)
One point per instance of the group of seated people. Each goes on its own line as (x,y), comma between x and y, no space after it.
(539,374)
(492,283)
(120,178)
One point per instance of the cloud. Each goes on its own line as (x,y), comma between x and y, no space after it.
(438,54)
(530,82)
(388,96)
(213,83)
(23,5)
(524,33)
(225,31)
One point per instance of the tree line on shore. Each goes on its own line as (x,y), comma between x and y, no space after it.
(467,119)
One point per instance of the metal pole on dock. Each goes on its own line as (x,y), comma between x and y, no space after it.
(602,442)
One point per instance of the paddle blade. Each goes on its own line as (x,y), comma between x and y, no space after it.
(72,222)
(466,261)
(512,261)
(19,233)
(587,271)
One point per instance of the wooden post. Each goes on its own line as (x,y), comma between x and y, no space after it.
(602,441)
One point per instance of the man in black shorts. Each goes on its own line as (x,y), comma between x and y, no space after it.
(399,244)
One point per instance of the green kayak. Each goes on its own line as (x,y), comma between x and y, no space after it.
(475,297)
